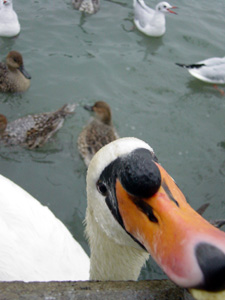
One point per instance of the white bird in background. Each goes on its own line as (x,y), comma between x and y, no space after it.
(211,70)
(134,208)
(149,21)
(9,23)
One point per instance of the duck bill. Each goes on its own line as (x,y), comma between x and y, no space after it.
(24,72)
(189,249)
(171,11)
(88,107)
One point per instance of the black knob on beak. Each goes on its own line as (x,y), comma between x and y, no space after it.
(212,263)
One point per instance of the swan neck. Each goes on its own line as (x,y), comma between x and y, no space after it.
(109,260)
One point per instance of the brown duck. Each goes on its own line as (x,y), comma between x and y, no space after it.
(13,76)
(33,131)
(98,132)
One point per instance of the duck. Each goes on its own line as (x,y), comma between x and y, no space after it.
(9,23)
(98,132)
(33,131)
(211,70)
(13,75)
(151,22)
(87,6)
(134,208)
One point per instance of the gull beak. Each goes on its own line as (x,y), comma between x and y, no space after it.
(171,11)
(189,249)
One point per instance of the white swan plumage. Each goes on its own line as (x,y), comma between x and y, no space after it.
(134,209)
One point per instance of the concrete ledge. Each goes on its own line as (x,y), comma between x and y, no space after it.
(121,290)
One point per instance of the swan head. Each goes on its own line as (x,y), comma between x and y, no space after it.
(137,204)
(165,7)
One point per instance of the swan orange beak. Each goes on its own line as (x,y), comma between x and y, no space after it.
(188,248)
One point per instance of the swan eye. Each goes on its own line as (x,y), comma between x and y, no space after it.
(102,188)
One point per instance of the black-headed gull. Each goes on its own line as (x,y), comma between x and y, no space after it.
(210,70)
(149,21)
(9,24)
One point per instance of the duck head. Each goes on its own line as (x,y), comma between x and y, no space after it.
(14,61)
(138,204)
(3,123)
(102,111)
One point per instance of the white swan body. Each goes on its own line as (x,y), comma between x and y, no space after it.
(34,244)
(211,70)
(134,208)
(9,23)
(149,21)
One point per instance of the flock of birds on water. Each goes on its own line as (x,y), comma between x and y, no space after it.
(134,207)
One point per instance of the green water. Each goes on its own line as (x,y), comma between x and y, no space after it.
(77,58)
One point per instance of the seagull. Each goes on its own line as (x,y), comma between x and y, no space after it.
(149,21)
(9,23)
(211,70)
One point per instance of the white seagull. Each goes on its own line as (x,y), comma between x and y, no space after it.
(9,24)
(134,208)
(210,70)
(149,21)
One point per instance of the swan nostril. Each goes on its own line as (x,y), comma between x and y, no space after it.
(212,263)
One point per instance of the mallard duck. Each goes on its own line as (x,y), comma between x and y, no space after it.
(33,131)
(9,23)
(13,76)
(149,21)
(98,132)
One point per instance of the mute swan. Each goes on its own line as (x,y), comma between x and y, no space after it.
(13,76)
(33,131)
(149,21)
(134,208)
(98,132)
(9,24)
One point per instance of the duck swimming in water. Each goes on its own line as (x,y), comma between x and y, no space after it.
(13,76)
(134,209)
(87,6)
(149,21)
(33,131)
(9,23)
(98,132)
